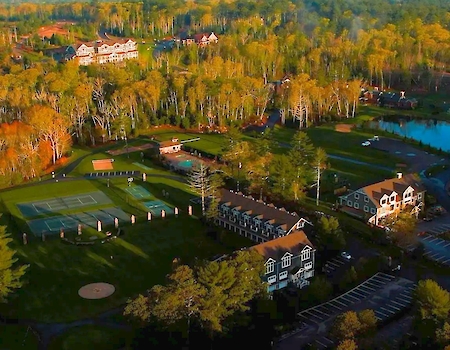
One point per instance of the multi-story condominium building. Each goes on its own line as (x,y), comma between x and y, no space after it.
(105,51)
(256,220)
(379,200)
(289,259)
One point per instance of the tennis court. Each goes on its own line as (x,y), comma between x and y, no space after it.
(53,205)
(70,222)
(155,208)
(138,192)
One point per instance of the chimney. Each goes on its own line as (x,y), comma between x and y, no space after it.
(402,94)
(399,175)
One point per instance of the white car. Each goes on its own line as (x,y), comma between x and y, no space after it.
(346,256)
(365,143)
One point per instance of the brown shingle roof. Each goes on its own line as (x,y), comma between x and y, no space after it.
(276,248)
(377,190)
(258,209)
(168,143)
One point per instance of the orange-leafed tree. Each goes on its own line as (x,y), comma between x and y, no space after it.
(52,127)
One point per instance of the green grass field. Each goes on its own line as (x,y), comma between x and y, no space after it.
(91,337)
(17,337)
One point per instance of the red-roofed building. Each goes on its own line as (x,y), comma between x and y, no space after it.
(170,146)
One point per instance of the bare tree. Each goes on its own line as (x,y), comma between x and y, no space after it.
(199,182)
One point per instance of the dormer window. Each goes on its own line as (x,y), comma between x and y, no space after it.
(306,254)
(392,198)
(270,267)
(366,199)
(286,261)
(356,195)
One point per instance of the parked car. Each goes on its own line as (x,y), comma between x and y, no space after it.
(346,256)
(365,143)
(427,219)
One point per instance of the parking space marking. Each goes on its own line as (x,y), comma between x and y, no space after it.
(323,313)
(448,243)
(351,296)
(381,313)
(367,287)
(399,304)
(360,294)
(432,256)
(387,310)
(446,261)
(407,297)
(309,321)
(318,342)
(313,315)
(434,239)
(394,307)
(442,241)
(376,286)
(337,301)
(442,257)
(336,307)
(426,238)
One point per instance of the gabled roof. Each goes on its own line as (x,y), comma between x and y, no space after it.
(168,143)
(276,248)
(259,209)
(376,191)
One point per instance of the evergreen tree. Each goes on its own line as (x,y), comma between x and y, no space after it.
(10,273)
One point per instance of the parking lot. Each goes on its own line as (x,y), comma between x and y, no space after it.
(387,295)
(436,249)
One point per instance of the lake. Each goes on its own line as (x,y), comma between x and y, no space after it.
(430,132)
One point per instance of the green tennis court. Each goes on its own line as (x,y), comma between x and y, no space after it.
(54,224)
(138,192)
(53,205)
(155,208)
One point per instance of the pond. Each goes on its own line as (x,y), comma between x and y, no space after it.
(430,132)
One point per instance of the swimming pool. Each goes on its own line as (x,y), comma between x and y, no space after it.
(187,163)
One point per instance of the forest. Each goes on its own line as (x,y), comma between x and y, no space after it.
(326,50)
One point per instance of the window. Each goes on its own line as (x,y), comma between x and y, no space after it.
(286,261)
(356,195)
(308,265)
(373,210)
(283,275)
(272,279)
(419,196)
(306,254)
(349,203)
(366,199)
(270,267)
(392,198)
(383,201)
(356,205)
(366,208)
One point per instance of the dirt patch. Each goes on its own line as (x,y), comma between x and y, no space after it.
(102,164)
(96,290)
(344,127)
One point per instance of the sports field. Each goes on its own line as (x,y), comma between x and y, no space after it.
(54,224)
(156,206)
(138,192)
(56,204)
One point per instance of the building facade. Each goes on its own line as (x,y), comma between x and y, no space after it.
(256,220)
(289,260)
(377,201)
(172,146)
(106,51)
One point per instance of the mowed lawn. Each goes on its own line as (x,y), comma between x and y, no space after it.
(140,259)
(133,262)
(341,144)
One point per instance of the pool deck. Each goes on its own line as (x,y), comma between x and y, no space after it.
(176,158)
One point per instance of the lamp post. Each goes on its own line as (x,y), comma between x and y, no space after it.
(124,137)
(239,173)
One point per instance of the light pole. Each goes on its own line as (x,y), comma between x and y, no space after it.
(239,173)
(124,137)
